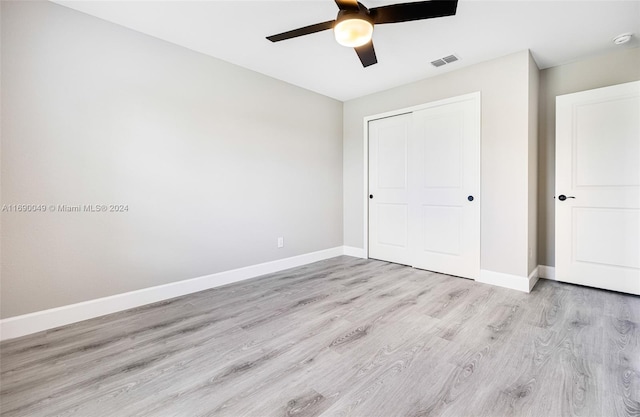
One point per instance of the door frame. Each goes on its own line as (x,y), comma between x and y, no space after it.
(476,96)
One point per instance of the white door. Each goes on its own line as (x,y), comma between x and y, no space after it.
(424,183)
(598,188)
(445,185)
(389,189)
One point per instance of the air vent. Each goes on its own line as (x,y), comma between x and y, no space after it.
(444,61)
(449,59)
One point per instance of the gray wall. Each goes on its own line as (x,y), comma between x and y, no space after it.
(214,161)
(618,67)
(504,85)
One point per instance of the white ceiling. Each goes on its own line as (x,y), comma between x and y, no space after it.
(556,32)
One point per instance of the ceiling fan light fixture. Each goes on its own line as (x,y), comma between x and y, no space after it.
(353,26)
(353,32)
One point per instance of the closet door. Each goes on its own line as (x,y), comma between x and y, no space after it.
(389,189)
(424,186)
(598,188)
(445,183)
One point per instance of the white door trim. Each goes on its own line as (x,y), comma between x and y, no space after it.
(365,195)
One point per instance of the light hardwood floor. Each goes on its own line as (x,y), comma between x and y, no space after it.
(341,337)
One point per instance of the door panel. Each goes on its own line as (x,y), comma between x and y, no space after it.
(388,184)
(595,244)
(442,150)
(393,223)
(440,228)
(597,163)
(602,162)
(392,158)
(445,170)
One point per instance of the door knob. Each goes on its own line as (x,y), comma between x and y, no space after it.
(563,197)
(470,198)
(370,195)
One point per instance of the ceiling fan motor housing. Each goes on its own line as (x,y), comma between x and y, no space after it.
(361,13)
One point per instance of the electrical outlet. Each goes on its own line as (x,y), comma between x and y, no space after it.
(281,242)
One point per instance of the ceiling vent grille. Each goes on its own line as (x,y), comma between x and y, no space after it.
(444,61)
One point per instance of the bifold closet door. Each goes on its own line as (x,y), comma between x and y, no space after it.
(389,189)
(424,183)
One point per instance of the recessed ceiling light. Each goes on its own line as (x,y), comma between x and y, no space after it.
(624,38)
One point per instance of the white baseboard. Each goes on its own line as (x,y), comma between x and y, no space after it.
(514,282)
(533,278)
(355,252)
(13,327)
(48,319)
(547,272)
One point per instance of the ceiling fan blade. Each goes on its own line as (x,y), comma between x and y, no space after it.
(367,54)
(307,30)
(347,4)
(404,12)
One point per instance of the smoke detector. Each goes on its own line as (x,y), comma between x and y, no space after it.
(624,38)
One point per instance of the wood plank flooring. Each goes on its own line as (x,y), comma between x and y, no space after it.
(341,337)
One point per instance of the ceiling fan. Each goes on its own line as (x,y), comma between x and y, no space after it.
(353,27)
